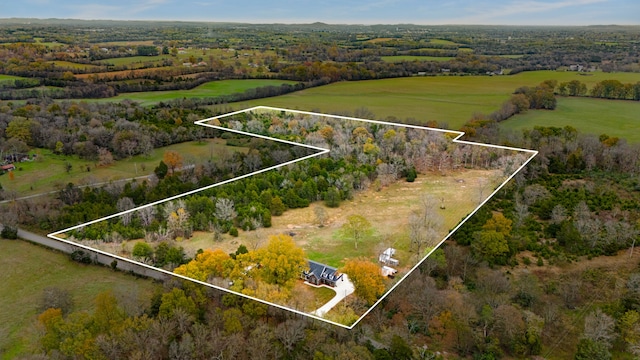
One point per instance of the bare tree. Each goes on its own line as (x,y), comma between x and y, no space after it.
(147,215)
(321,215)
(521,210)
(253,160)
(57,298)
(558,214)
(599,327)
(124,204)
(225,210)
(290,333)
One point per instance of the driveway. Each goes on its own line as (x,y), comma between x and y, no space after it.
(343,288)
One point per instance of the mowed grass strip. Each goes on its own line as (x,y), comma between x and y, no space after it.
(210,89)
(619,118)
(447,99)
(29,269)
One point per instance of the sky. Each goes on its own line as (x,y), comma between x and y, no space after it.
(428,12)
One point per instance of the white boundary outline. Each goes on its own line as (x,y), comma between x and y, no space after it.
(321,151)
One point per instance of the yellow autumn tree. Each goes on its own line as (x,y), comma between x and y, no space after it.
(499,224)
(281,261)
(209,263)
(366,278)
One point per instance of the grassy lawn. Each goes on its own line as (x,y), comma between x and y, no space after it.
(210,89)
(28,269)
(48,173)
(308,298)
(398,58)
(592,116)
(447,99)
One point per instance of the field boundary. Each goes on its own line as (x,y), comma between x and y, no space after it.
(320,151)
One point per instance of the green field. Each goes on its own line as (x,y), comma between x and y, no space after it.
(28,269)
(47,172)
(210,89)
(8,80)
(447,99)
(592,116)
(442,42)
(399,58)
(134,59)
(9,77)
(72,65)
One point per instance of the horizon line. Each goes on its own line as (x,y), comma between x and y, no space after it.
(317,22)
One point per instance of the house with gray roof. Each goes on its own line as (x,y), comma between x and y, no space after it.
(321,274)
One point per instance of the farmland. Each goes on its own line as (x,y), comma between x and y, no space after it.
(449,100)
(47,172)
(398,58)
(210,89)
(592,116)
(30,268)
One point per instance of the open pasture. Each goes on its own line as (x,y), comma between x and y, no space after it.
(72,65)
(399,58)
(30,268)
(4,77)
(618,118)
(210,89)
(387,210)
(450,100)
(48,171)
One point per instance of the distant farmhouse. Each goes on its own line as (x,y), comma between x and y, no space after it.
(320,274)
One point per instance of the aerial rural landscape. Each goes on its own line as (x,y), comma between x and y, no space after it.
(231,189)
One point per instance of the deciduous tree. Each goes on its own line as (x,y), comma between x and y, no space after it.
(366,277)
(357,228)
(209,263)
(281,260)
(173,160)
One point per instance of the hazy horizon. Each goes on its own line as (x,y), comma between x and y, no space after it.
(456,12)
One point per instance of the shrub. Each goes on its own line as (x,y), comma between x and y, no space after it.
(411,174)
(9,232)
(81,256)
(233,231)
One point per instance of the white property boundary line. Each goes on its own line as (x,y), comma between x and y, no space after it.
(321,151)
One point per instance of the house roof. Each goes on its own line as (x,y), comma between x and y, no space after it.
(322,271)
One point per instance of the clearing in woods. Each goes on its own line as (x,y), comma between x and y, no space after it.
(454,193)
